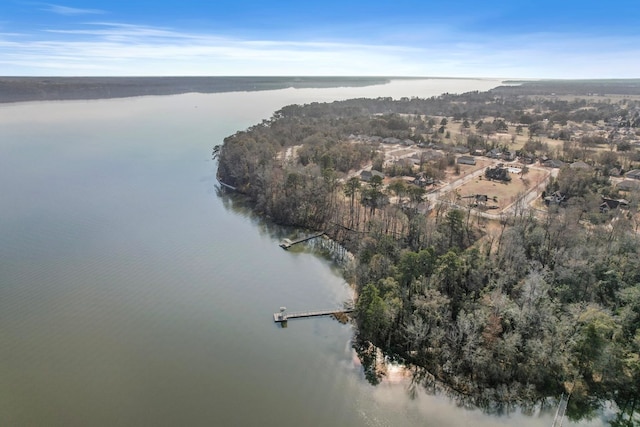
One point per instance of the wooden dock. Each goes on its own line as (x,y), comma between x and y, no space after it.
(282,317)
(560,412)
(230,187)
(286,243)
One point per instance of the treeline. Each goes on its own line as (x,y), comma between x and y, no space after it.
(21,89)
(600,87)
(515,311)
(545,307)
(504,102)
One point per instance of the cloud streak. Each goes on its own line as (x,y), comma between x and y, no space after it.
(71,11)
(112,48)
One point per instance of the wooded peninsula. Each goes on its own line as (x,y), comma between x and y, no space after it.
(495,234)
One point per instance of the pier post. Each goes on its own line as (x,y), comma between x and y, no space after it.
(282,316)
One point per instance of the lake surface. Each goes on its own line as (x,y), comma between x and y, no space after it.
(132,294)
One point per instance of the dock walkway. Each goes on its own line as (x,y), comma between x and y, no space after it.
(286,243)
(560,412)
(283,317)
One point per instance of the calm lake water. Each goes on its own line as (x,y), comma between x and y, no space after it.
(132,294)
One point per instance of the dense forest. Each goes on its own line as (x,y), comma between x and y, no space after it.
(510,311)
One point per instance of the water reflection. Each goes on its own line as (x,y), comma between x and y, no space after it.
(239,205)
(380,368)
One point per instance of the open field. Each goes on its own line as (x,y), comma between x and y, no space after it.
(505,193)
(481,163)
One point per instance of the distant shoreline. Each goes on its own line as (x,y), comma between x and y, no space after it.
(34,89)
(25,89)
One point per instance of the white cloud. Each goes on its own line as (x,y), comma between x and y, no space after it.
(71,11)
(107,48)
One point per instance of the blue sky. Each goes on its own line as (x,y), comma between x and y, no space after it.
(494,38)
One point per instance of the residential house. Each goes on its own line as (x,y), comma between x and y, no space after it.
(633,174)
(367,175)
(494,153)
(466,160)
(611,204)
(508,156)
(628,185)
(553,163)
(422,181)
(460,149)
(580,165)
(556,198)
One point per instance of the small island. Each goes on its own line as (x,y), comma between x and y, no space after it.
(495,234)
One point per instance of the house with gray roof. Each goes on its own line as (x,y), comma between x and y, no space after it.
(628,185)
(580,165)
(633,174)
(552,163)
(367,175)
(466,160)
(611,204)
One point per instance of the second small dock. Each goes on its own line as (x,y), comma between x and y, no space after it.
(286,243)
(282,316)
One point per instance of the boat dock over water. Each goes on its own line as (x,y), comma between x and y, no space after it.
(286,243)
(282,316)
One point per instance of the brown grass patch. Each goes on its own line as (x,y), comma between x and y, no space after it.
(505,193)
